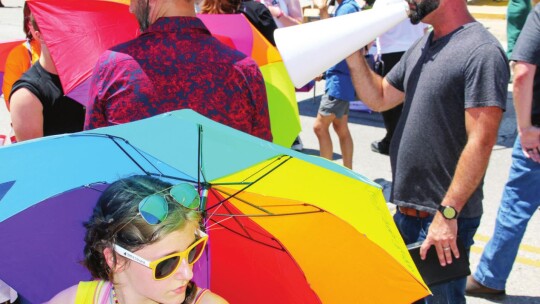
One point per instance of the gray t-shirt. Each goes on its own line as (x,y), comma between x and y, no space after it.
(527,49)
(464,69)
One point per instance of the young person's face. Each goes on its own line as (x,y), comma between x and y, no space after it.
(139,279)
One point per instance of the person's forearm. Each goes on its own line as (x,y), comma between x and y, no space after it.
(471,168)
(288,20)
(474,160)
(522,93)
(367,84)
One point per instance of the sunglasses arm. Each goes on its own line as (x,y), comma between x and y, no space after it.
(130,255)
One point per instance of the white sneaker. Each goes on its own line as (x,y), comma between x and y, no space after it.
(297,144)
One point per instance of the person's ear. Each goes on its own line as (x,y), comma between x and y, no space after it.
(36,35)
(115,262)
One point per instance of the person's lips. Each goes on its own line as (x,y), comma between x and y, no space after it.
(181,289)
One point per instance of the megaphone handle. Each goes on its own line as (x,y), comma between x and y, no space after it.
(314,89)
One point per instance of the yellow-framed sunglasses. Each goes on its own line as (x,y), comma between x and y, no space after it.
(164,267)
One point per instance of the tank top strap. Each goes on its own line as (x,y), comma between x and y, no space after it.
(200,294)
(88,292)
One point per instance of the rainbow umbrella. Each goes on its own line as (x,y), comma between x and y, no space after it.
(77,32)
(284,227)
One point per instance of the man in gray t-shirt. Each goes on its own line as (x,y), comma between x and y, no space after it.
(453,82)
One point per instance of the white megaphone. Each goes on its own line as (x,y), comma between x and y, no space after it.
(311,48)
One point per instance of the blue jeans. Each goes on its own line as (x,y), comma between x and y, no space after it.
(415,229)
(521,198)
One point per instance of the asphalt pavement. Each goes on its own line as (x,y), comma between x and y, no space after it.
(523,285)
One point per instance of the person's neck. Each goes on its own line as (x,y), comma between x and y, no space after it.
(451,18)
(46,61)
(173,9)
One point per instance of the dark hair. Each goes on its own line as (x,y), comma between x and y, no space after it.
(26,19)
(115,220)
(220,6)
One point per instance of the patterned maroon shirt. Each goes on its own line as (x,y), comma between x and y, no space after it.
(177,64)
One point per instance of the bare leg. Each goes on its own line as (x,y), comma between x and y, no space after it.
(321,128)
(341,127)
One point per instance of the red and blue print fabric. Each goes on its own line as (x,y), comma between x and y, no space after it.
(177,64)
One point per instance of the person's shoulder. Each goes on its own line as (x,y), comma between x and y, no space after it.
(212,298)
(18,51)
(477,33)
(67,296)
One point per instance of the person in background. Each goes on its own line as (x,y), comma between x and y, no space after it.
(521,195)
(21,57)
(287,13)
(516,14)
(339,91)
(140,246)
(177,64)
(256,12)
(390,47)
(38,104)
(444,138)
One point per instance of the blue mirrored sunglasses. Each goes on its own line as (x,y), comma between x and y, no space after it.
(154,208)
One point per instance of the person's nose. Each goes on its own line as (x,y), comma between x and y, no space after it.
(184,271)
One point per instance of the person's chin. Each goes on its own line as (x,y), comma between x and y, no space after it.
(180,293)
(415,18)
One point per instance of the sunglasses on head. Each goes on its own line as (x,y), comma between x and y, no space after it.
(154,208)
(166,266)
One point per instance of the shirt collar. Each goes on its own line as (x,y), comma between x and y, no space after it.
(175,24)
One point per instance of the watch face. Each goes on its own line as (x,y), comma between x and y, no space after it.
(449,212)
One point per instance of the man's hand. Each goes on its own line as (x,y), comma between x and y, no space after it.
(530,142)
(442,234)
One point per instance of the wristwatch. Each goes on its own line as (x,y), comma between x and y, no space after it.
(448,212)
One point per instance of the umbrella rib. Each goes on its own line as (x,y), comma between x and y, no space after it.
(277,159)
(114,140)
(281,248)
(287,158)
(172,177)
(235,219)
(271,213)
(267,215)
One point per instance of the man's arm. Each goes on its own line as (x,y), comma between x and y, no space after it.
(294,16)
(96,113)
(26,115)
(523,92)
(376,92)
(482,125)
(260,122)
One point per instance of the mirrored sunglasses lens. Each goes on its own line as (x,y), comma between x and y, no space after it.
(196,252)
(186,195)
(166,267)
(153,209)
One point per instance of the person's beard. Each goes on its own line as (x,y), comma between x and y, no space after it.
(422,9)
(142,13)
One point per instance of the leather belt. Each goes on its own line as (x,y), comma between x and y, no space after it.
(413,212)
